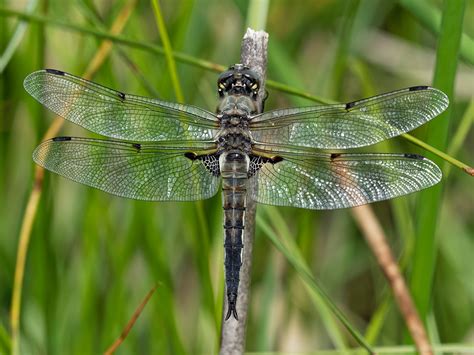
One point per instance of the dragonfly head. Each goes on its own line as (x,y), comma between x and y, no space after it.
(238,80)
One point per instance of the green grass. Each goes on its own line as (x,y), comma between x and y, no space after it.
(437,134)
(93,257)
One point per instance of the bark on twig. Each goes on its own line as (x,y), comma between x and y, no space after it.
(253,55)
(377,241)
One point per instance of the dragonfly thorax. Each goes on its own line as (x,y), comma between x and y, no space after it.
(237,105)
(232,139)
(234,113)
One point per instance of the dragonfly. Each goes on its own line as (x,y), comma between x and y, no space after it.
(164,151)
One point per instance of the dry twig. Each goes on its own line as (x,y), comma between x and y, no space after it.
(375,237)
(253,55)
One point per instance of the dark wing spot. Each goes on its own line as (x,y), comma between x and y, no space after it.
(55,72)
(190,155)
(420,87)
(335,155)
(414,156)
(61,139)
(137,146)
(276,159)
(350,105)
(121,95)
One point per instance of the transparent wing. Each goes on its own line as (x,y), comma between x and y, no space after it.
(150,172)
(356,124)
(325,181)
(115,114)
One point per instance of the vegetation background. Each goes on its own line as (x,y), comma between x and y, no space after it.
(92,257)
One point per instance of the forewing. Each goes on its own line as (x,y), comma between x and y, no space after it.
(140,171)
(115,114)
(355,124)
(325,181)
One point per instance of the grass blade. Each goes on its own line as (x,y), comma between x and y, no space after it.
(467,121)
(430,199)
(16,38)
(343,48)
(285,244)
(257,14)
(35,195)
(168,51)
(430,17)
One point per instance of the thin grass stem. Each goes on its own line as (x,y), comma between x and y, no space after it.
(35,195)
(168,51)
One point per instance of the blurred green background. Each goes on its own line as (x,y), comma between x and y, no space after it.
(93,257)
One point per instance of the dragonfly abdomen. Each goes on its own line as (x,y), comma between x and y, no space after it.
(234,167)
